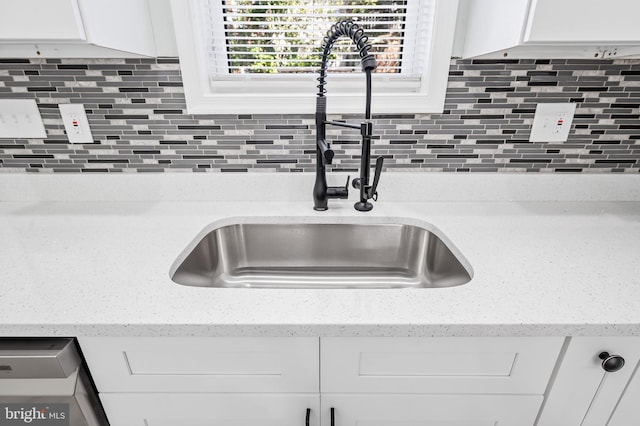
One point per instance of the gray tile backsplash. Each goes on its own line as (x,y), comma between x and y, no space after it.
(136,110)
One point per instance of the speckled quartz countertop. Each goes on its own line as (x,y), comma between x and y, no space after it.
(90,255)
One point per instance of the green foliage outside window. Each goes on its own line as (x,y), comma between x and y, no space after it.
(284,36)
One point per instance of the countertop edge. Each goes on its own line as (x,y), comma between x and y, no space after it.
(319,330)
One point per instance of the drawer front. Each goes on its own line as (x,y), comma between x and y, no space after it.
(203,409)
(438,365)
(195,364)
(430,410)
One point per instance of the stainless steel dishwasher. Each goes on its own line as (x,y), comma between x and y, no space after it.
(43,382)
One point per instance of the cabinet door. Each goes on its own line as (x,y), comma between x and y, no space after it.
(580,21)
(204,409)
(438,365)
(430,410)
(53,20)
(628,410)
(202,364)
(582,393)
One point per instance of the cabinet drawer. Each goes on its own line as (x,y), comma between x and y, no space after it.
(430,410)
(204,409)
(195,364)
(438,364)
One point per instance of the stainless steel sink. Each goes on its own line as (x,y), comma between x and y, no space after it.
(320,255)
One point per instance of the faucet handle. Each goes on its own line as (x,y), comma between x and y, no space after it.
(346,185)
(372,192)
(339,191)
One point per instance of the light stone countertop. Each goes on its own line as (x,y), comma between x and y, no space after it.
(566,265)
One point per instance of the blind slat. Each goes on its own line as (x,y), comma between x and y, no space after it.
(288,31)
(312,15)
(316,5)
(264,43)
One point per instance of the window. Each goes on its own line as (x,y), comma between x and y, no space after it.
(242,56)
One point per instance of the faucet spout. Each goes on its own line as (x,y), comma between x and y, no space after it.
(324,154)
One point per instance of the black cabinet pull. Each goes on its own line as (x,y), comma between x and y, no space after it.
(611,363)
(306,422)
(333,416)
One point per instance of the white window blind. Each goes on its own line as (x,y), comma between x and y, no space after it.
(262,43)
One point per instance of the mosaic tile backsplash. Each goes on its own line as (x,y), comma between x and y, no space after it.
(136,110)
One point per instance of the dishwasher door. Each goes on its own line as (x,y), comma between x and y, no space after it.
(43,382)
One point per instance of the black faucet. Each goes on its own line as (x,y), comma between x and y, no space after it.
(324,154)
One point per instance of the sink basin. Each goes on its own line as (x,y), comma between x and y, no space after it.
(320,255)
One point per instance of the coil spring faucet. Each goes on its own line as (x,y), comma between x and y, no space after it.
(324,153)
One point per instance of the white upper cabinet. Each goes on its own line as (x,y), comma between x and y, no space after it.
(35,20)
(583,21)
(84,28)
(548,28)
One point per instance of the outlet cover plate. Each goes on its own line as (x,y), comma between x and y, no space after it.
(20,118)
(552,122)
(76,123)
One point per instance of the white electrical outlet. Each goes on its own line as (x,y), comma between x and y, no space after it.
(552,122)
(20,118)
(75,123)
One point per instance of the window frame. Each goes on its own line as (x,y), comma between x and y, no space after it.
(237,99)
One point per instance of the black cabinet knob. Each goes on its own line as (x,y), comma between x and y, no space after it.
(611,363)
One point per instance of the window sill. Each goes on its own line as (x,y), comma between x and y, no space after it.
(305,104)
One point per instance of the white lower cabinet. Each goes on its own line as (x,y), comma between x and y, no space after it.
(430,410)
(203,364)
(206,409)
(438,365)
(433,381)
(584,394)
(212,381)
(627,412)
